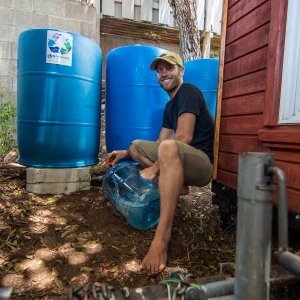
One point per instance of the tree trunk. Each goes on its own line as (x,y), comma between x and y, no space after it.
(189,35)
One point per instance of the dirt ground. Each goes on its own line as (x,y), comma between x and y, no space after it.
(49,243)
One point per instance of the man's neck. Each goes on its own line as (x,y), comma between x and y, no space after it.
(174,92)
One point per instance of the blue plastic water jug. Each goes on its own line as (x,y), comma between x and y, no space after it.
(135,198)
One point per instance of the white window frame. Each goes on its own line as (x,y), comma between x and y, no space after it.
(289,112)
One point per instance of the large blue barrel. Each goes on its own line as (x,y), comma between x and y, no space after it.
(203,73)
(59,85)
(134,99)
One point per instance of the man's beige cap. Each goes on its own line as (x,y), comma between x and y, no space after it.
(170,57)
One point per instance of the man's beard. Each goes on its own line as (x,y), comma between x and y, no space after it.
(176,82)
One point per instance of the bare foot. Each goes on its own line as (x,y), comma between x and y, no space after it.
(156,259)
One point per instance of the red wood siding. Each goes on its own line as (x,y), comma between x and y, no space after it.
(250,63)
(287,155)
(238,9)
(240,143)
(232,2)
(243,105)
(248,84)
(243,84)
(250,97)
(291,171)
(237,124)
(282,134)
(247,44)
(228,162)
(254,19)
(275,61)
(293,197)
(228,178)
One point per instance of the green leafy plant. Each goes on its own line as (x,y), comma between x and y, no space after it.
(202,223)
(7,125)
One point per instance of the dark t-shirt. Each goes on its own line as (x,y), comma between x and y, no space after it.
(189,99)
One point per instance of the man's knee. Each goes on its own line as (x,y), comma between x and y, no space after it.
(168,148)
(134,148)
(136,143)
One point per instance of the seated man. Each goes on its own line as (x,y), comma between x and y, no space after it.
(182,155)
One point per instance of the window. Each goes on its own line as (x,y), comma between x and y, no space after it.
(289,112)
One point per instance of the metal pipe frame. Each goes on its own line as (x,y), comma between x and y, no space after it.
(254,227)
(210,290)
(282,208)
(288,260)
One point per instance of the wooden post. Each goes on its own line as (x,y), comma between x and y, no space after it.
(206,43)
(220,88)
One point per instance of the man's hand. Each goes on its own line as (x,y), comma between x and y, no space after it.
(115,156)
(150,173)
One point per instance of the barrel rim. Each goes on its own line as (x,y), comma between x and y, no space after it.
(54,29)
(135,46)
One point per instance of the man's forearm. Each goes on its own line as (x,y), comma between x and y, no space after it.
(183,138)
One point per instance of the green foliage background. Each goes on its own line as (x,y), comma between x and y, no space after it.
(7,125)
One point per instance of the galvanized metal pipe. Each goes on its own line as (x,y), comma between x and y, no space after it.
(282,208)
(254,220)
(5,293)
(210,290)
(288,260)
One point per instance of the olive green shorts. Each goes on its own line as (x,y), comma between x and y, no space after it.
(196,164)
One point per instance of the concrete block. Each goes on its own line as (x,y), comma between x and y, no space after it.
(80,12)
(37,175)
(4,67)
(89,30)
(6,15)
(49,7)
(64,24)
(57,181)
(14,84)
(6,3)
(5,50)
(29,19)
(8,69)
(26,5)
(13,64)
(9,33)
(14,50)
(6,82)
(57,188)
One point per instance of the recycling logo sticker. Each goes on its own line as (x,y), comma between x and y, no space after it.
(59,48)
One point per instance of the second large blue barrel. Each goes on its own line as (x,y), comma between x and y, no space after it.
(134,99)
(58,99)
(203,73)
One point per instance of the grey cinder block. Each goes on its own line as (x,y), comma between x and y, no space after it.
(57,181)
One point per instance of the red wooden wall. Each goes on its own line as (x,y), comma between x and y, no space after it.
(251,90)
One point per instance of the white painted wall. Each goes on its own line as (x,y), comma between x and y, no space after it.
(209,12)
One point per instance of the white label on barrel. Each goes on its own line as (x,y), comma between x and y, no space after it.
(59,48)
